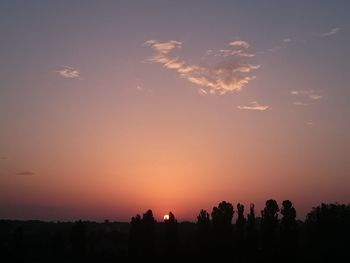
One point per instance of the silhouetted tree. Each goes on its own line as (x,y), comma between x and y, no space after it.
(222,226)
(170,237)
(223,214)
(328,228)
(148,234)
(203,218)
(251,217)
(269,223)
(135,237)
(240,222)
(288,232)
(289,214)
(252,236)
(142,236)
(204,234)
(239,237)
(78,238)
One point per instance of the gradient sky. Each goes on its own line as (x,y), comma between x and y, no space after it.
(108,108)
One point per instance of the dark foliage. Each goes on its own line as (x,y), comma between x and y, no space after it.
(323,237)
(203,234)
(328,227)
(222,216)
(79,242)
(269,222)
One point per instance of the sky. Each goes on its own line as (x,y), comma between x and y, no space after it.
(108,108)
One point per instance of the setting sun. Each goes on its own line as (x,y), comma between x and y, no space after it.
(166,217)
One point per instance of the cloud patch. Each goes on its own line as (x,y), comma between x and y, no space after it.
(25,173)
(202,92)
(331,32)
(239,43)
(68,72)
(254,105)
(300,103)
(3,158)
(223,71)
(310,94)
(305,96)
(164,47)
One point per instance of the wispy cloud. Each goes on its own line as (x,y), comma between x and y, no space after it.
(305,97)
(283,44)
(240,43)
(25,173)
(310,94)
(331,32)
(228,71)
(68,72)
(3,158)
(315,96)
(287,40)
(274,49)
(229,52)
(202,92)
(300,103)
(141,89)
(164,47)
(254,106)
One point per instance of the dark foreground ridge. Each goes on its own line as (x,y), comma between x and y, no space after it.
(275,236)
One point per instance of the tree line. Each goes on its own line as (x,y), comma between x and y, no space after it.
(227,233)
(276,235)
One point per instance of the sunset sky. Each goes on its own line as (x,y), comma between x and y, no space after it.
(108,108)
